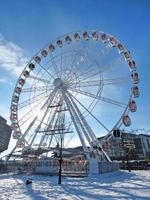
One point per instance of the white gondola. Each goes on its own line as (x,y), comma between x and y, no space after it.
(104,37)
(16,134)
(68,39)
(18,90)
(13,116)
(20,144)
(59,43)
(15,99)
(14,125)
(37,59)
(95,36)
(26,73)
(126,120)
(135,91)
(113,41)
(44,53)
(77,36)
(21,81)
(117,133)
(120,47)
(31,66)
(14,108)
(132,64)
(127,55)
(51,48)
(132,106)
(85,35)
(135,77)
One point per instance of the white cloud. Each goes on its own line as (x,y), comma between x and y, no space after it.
(12,57)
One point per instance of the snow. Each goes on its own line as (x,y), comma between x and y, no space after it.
(117,185)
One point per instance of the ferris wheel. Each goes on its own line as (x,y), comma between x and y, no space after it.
(77,88)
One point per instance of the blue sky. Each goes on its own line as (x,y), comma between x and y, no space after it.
(27,25)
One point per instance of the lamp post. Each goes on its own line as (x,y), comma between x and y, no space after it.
(128,146)
(60,162)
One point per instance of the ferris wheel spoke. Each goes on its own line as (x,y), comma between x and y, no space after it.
(92,83)
(87,53)
(89,111)
(35,89)
(74,60)
(55,66)
(103,53)
(39,79)
(117,80)
(89,74)
(101,69)
(69,67)
(34,99)
(47,71)
(61,63)
(27,116)
(110,101)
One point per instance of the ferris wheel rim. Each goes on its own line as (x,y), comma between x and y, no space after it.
(133,70)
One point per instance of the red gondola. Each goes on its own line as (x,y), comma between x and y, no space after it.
(135,91)
(15,99)
(86,35)
(51,48)
(21,81)
(120,48)
(104,37)
(77,36)
(18,90)
(44,53)
(112,41)
(95,36)
(132,106)
(135,77)
(59,43)
(132,64)
(26,73)
(68,39)
(126,120)
(37,59)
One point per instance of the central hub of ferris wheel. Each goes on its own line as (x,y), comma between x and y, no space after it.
(58,83)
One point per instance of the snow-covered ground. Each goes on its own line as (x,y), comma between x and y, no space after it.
(118,185)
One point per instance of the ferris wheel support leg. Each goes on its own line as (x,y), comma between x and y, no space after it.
(23,136)
(94,140)
(80,120)
(74,116)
